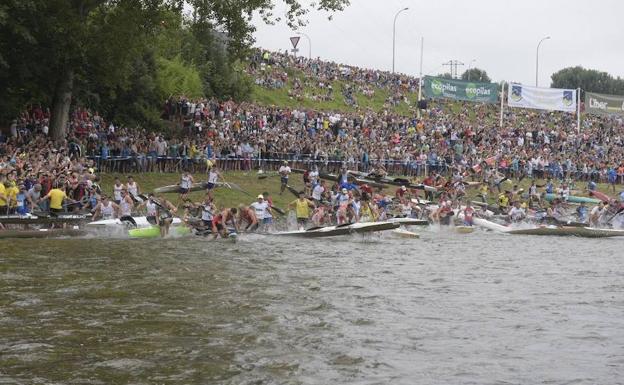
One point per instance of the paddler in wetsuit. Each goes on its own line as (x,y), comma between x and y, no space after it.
(164,216)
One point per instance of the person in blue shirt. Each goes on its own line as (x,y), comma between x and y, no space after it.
(612,177)
(23,205)
(581,212)
(591,186)
(549,186)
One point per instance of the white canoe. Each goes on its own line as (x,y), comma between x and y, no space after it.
(140,221)
(490,225)
(409,221)
(402,233)
(332,231)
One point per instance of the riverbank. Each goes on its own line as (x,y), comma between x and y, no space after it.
(252,186)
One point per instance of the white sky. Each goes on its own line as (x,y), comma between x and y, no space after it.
(501,35)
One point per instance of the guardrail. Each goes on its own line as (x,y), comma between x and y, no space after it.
(414,168)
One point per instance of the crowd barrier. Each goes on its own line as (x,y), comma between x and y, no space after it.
(142,163)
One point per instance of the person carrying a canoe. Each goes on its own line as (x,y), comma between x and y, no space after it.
(186,182)
(302,208)
(105,209)
(150,209)
(283,171)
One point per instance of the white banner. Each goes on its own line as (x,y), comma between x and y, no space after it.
(554,99)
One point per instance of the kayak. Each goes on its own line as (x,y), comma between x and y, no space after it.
(409,221)
(154,232)
(30,219)
(586,232)
(336,178)
(175,188)
(395,181)
(402,233)
(490,225)
(42,233)
(332,231)
(140,221)
(599,195)
(464,229)
(573,199)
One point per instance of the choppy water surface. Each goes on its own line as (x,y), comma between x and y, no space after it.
(447,308)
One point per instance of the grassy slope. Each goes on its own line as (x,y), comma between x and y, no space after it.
(249,182)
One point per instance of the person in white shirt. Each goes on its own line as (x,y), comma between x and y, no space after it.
(262,209)
(517,213)
(317,191)
(284,171)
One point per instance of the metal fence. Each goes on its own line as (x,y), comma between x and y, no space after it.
(416,168)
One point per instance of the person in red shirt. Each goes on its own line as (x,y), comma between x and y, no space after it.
(400,192)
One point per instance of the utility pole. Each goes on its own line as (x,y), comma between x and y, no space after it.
(453,64)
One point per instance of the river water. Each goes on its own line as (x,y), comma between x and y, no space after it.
(478,308)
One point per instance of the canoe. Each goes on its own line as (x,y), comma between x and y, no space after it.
(175,188)
(154,232)
(599,195)
(332,231)
(573,199)
(409,221)
(336,178)
(490,225)
(43,220)
(140,221)
(42,233)
(402,233)
(395,181)
(585,232)
(464,229)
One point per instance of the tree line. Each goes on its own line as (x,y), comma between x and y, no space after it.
(125,57)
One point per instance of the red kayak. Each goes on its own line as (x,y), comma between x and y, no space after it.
(602,196)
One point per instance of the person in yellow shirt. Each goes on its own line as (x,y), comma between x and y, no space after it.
(56,197)
(3,195)
(302,208)
(11,193)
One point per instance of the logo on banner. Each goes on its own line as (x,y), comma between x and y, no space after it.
(472,91)
(439,87)
(516,92)
(568,98)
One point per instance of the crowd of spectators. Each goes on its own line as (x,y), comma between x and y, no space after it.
(446,138)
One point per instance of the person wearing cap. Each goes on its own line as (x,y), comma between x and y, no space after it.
(262,209)
(302,208)
(284,171)
(400,192)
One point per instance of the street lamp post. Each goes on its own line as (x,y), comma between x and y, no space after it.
(537,59)
(470,66)
(394,34)
(309,43)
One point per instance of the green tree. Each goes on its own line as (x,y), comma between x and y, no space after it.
(60,51)
(446,75)
(476,75)
(587,80)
